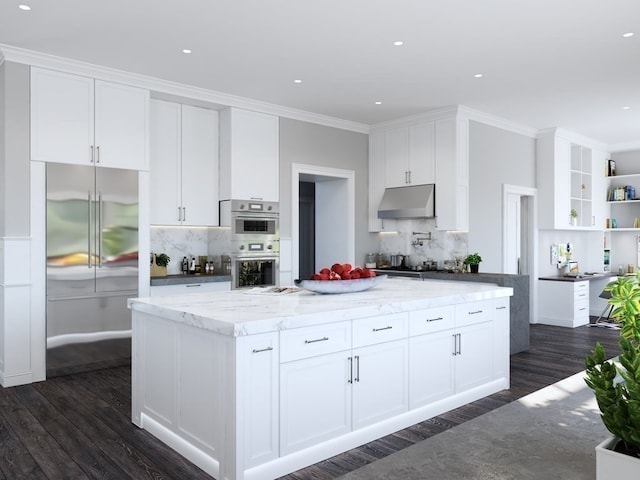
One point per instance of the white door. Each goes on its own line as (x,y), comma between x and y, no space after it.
(430,368)
(513,234)
(474,357)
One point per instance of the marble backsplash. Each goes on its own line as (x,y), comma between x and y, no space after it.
(405,240)
(178,242)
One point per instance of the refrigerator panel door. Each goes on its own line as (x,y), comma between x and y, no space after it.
(70,235)
(117,226)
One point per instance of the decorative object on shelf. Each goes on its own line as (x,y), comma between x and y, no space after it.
(573,214)
(611,168)
(473,260)
(342,286)
(159,264)
(617,385)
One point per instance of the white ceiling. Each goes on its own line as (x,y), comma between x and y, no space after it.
(545,63)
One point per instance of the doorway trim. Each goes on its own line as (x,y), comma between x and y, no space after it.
(321,173)
(531,228)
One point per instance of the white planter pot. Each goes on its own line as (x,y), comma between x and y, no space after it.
(612,465)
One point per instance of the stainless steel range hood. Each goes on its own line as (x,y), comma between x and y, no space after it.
(415,201)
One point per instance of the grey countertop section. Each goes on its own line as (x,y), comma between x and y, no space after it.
(519,303)
(186,279)
(584,278)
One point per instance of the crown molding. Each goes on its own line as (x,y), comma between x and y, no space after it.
(498,122)
(215,99)
(624,147)
(573,138)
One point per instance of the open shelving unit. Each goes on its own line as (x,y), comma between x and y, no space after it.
(626,213)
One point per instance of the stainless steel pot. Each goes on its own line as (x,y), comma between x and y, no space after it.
(396,260)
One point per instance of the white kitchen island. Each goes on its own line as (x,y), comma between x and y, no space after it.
(253,386)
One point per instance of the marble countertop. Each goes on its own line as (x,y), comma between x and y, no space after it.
(239,312)
(186,279)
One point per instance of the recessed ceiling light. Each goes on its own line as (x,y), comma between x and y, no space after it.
(24,7)
(297,80)
(627,35)
(398,43)
(378,103)
(186,50)
(626,108)
(478,75)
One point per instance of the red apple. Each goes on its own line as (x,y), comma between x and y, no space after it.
(337,267)
(325,271)
(345,275)
(334,276)
(355,275)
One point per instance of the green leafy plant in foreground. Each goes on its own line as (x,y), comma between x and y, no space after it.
(617,387)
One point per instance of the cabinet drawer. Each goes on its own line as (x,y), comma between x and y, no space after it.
(431,320)
(581,291)
(308,342)
(581,309)
(369,331)
(474,312)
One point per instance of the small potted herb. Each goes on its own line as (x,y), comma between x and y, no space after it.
(159,264)
(574,217)
(473,260)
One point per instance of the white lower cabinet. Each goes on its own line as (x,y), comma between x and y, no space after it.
(380,388)
(259,397)
(430,368)
(315,400)
(195,287)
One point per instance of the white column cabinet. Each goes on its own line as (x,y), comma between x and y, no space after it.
(79,120)
(249,155)
(184,165)
(569,179)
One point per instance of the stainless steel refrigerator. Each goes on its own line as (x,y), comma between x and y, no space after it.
(92,265)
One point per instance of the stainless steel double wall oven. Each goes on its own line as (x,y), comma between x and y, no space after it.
(255,241)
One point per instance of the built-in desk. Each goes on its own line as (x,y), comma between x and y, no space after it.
(569,301)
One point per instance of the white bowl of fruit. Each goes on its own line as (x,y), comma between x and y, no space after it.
(341,278)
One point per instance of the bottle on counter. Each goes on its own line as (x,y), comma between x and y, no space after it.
(192,266)
(207,269)
(185,266)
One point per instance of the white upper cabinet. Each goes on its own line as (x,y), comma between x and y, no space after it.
(184,165)
(431,150)
(569,178)
(410,155)
(76,119)
(249,155)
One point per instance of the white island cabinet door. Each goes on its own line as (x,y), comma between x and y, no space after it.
(431,373)
(380,382)
(315,400)
(259,360)
(474,356)
(61,117)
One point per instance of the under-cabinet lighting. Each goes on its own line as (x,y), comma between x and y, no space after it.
(626,108)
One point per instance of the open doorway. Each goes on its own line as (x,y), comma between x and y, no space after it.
(333,218)
(307,229)
(520,238)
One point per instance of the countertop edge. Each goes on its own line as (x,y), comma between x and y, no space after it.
(187,279)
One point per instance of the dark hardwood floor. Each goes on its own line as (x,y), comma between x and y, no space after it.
(79,426)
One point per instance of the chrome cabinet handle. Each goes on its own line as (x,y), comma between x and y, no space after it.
(454,349)
(323,339)
(184,214)
(357,357)
(260,350)
(459,344)
(389,327)
(350,379)
(501,308)
(93,158)
(476,312)
(434,319)
(194,285)
(179,214)
(89,230)
(100,230)
(98,154)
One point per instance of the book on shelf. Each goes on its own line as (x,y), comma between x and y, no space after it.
(611,168)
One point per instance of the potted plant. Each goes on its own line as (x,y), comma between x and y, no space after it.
(473,260)
(617,386)
(159,264)
(574,217)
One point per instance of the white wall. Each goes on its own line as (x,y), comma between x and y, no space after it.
(496,157)
(317,145)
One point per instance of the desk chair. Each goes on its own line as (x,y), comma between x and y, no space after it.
(607,322)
